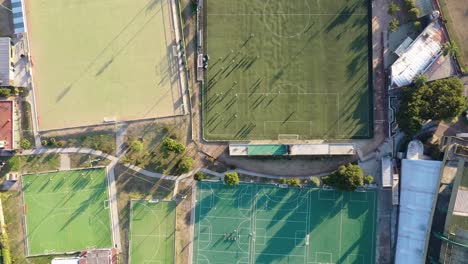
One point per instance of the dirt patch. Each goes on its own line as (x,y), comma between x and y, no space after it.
(103,140)
(455,15)
(86,161)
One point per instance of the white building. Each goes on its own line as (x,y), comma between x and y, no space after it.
(417,57)
(419,189)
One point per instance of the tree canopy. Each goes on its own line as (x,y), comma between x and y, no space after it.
(231,178)
(346,178)
(170,144)
(438,100)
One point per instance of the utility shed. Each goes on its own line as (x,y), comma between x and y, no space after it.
(6,70)
(419,185)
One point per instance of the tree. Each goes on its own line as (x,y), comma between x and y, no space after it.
(170,144)
(5,92)
(450,48)
(368,179)
(414,13)
(417,25)
(294,182)
(199,176)
(393,8)
(410,4)
(438,100)
(346,178)
(185,165)
(393,25)
(25,144)
(420,80)
(136,146)
(231,178)
(315,181)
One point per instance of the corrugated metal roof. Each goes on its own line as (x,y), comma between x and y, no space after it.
(18,16)
(424,50)
(5,52)
(419,182)
(461,203)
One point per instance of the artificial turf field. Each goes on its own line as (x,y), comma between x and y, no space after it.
(152,232)
(102,60)
(254,223)
(287,68)
(66,211)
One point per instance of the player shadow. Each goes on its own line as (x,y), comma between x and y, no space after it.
(151,5)
(94,196)
(202,208)
(96,59)
(362,245)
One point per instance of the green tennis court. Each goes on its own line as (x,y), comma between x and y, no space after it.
(97,61)
(255,223)
(287,68)
(66,211)
(152,232)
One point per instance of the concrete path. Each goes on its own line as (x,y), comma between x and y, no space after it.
(120,134)
(64,162)
(114,211)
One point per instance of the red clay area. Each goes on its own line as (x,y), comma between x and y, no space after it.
(6,123)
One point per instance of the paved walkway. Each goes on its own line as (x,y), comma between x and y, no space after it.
(120,139)
(64,162)
(114,211)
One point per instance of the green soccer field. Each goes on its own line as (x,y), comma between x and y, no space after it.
(66,211)
(254,223)
(152,232)
(102,60)
(287,68)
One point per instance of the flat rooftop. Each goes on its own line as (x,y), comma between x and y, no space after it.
(6,124)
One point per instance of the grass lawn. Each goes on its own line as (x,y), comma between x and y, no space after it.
(455,13)
(294,67)
(31,164)
(66,211)
(86,161)
(151,134)
(256,223)
(99,140)
(97,60)
(152,231)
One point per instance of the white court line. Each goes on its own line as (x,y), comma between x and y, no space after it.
(287,14)
(373,227)
(341,225)
(286,221)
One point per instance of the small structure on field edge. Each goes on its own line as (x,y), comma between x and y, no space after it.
(97,256)
(291,149)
